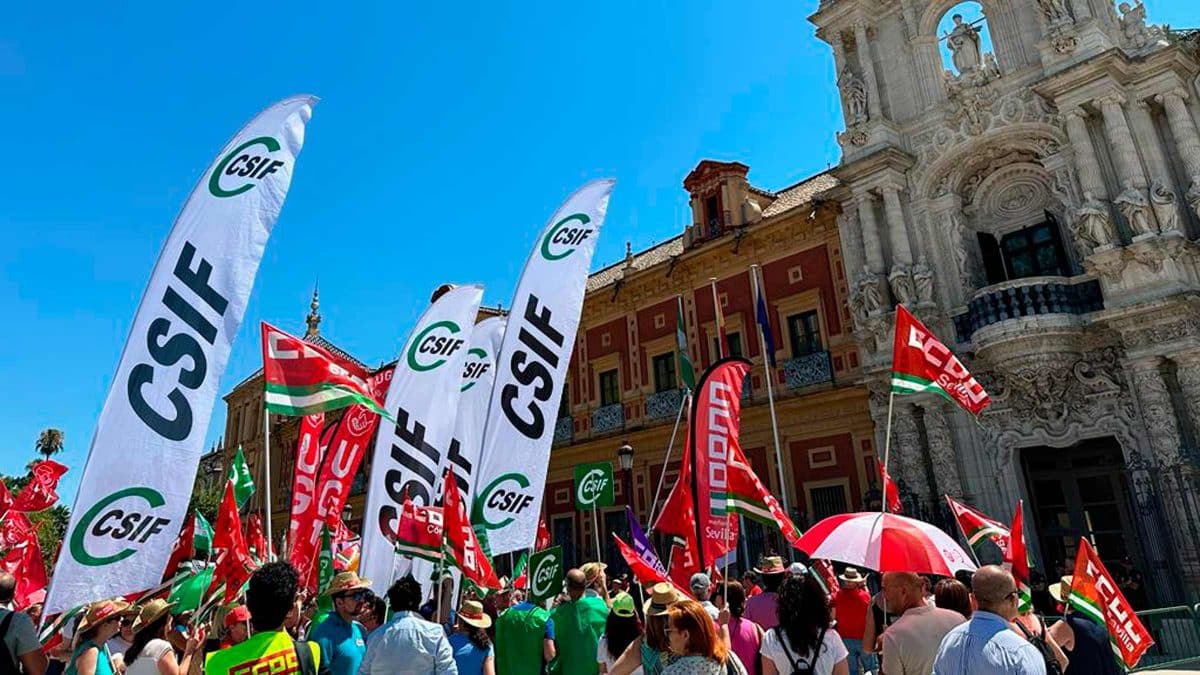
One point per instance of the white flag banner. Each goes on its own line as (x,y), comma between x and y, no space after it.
(531,369)
(423,399)
(131,500)
(479,372)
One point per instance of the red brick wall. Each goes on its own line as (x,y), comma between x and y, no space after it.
(647,332)
(618,344)
(846,466)
(815,273)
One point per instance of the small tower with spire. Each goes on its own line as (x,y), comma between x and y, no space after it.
(314,315)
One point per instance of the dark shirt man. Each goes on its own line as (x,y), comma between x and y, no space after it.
(20,638)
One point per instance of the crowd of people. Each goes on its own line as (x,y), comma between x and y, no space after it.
(776,620)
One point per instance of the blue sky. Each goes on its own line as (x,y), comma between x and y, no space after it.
(446,136)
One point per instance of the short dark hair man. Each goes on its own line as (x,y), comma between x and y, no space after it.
(20,641)
(270,597)
(409,639)
(342,640)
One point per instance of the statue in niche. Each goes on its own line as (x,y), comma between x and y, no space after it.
(1092,224)
(1055,11)
(1133,205)
(1162,199)
(922,277)
(1193,195)
(1133,25)
(902,285)
(868,292)
(854,93)
(990,67)
(964,43)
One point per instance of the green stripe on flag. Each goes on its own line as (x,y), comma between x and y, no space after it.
(903,383)
(314,398)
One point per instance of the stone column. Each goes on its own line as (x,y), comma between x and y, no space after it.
(868,66)
(929,69)
(897,229)
(941,450)
(907,460)
(1086,164)
(1183,128)
(1187,371)
(1155,400)
(1124,152)
(872,245)
(852,242)
(1162,194)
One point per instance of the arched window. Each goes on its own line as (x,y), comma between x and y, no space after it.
(964,39)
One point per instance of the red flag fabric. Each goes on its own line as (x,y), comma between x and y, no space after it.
(6,499)
(39,493)
(1094,593)
(824,570)
(684,561)
(420,531)
(234,564)
(543,535)
(185,546)
(25,562)
(256,540)
(891,494)
(920,362)
(643,571)
(14,529)
(309,453)
(1016,558)
(464,548)
(715,421)
(302,379)
(747,495)
(344,454)
(976,527)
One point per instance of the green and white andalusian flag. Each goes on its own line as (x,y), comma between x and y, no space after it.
(687,373)
(239,476)
(300,378)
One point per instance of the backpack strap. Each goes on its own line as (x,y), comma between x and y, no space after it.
(6,656)
(304,657)
(786,650)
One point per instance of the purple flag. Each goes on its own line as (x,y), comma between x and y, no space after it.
(641,545)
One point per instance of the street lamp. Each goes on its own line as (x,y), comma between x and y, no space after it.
(625,456)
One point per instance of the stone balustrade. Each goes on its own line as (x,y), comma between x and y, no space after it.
(1034,296)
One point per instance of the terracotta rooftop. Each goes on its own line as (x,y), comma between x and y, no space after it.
(800,193)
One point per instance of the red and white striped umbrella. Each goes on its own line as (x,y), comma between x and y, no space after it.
(885,542)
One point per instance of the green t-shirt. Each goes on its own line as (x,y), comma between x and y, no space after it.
(578,626)
(520,633)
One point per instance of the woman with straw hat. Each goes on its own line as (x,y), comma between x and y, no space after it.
(651,651)
(473,653)
(99,624)
(151,653)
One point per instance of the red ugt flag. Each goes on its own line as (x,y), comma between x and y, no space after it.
(920,362)
(464,548)
(39,493)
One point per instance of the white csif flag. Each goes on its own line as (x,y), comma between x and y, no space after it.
(150,433)
(479,372)
(531,369)
(423,399)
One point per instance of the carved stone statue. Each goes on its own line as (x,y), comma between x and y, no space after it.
(854,94)
(868,291)
(964,44)
(1092,224)
(990,67)
(1193,195)
(902,285)
(751,211)
(1055,11)
(1133,205)
(1133,25)
(923,281)
(1162,200)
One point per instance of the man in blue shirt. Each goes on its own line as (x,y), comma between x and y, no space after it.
(341,638)
(408,644)
(987,644)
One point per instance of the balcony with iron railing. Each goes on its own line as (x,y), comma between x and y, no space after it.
(808,370)
(664,404)
(564,430)
(1029,297)
(608,418)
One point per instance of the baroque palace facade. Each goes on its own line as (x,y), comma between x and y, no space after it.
(1035,201)
(1026,179)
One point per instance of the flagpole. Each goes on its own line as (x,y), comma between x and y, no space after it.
(267,467)
(887,450)
(662,476)
(596,531)
(769,376)
(717,318)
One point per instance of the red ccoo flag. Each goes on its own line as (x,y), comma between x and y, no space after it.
(1094,593)
(302,379)
(462,546)
(920,362)
(39,493)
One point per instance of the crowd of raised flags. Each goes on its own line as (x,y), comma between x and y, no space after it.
(438,452)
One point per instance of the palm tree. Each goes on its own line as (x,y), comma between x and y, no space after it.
(49,442)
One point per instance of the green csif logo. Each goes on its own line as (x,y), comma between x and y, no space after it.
(433,346)
(114,528)
(478,364)
(566,235)
(502,500)
(244,167)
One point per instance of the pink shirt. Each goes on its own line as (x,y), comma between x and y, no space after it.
(745,640)
(762,609)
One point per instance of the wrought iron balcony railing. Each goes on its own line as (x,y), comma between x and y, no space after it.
(807,370)
(664,404)
(564,429)
(608,418)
